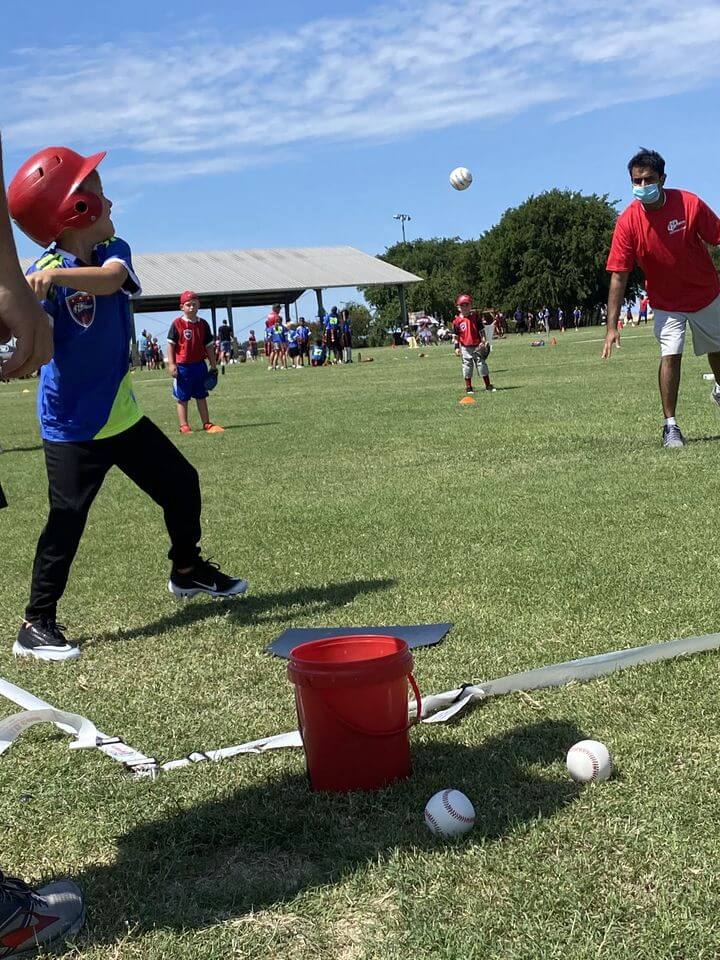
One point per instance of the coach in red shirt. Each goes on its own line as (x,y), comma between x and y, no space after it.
(667,232)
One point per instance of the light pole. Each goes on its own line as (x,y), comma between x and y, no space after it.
(403,218)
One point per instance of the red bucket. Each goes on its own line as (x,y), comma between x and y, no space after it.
(352,703)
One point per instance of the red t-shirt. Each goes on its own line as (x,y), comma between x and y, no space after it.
(468,329)
(190,338)
(670,246)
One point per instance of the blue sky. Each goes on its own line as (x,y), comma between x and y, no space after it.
(303,124)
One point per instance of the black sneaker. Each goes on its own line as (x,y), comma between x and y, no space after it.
(491,389)
(44,640)
(469,390)
(208,578)
(672,437)
(31,919)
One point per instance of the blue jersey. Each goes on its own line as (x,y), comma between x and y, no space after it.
(142,344)
(85,390)
(278,333)
(303,333)
(292,336)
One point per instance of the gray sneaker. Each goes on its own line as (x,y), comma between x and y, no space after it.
(672,437)
(31,919)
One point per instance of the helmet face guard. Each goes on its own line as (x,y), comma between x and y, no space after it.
(43,196)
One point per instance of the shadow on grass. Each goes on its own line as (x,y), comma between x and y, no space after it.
(269,842)
(246,426)
(254,608)
(702,439)
(37,446)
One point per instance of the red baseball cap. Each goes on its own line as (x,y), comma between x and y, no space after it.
(463,298)
(188,295)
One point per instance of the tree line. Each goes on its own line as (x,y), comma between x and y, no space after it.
(549,251)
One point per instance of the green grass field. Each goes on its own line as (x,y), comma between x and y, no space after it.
(546,522)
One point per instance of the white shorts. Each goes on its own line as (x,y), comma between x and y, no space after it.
(670,327)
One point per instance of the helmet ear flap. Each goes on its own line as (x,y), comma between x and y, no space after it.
(80,210)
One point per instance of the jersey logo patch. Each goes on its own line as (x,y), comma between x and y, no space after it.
(187,334)
(82,308)
(676,225)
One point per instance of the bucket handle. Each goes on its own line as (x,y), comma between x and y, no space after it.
(388,733)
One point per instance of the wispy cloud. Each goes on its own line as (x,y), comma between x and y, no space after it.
(210,103)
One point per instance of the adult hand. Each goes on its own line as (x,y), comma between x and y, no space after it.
(22,317)
(612,338)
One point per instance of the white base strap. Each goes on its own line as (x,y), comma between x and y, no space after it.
(559,674)
(437,708)
(113,747)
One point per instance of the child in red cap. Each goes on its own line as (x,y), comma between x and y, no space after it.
(90,420)
(190,344)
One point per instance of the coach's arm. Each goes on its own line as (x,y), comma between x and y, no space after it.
(616,298)
(21,316)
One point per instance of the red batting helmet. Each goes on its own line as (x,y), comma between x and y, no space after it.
(188,295)
(43,197)
(463,298)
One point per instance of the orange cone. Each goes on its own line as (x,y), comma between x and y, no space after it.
(467,400)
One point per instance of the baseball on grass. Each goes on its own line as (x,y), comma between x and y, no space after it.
(449,813)
(588,761)
(460,178)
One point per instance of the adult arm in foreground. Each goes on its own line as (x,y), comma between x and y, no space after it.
(616,296)
(21,316)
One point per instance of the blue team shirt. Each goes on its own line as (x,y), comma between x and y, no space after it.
(278,333)
(292,337)
(85,390)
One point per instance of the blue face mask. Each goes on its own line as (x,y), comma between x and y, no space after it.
(648,194)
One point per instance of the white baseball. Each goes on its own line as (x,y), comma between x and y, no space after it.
(449,813)
(461,178)
(588,761)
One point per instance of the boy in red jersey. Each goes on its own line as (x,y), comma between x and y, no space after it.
(471,339)
(667,232)
(190,344)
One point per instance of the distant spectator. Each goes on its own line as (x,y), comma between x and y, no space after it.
(318,354)
(278,351)
(142,348)
(346,336)
(225,337)
(272,319)
(293,350)
(303,341)
(333,336)
(252,346)
(577,317)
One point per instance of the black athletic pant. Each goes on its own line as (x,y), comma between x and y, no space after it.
(75,474)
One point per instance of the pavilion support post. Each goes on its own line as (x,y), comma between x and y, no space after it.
(321,308)
(230,316)
(213,311)
(403,305)
(133,332)
(287,312)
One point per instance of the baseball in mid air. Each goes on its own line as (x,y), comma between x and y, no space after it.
(589,761)
(449,813)
(461,178)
